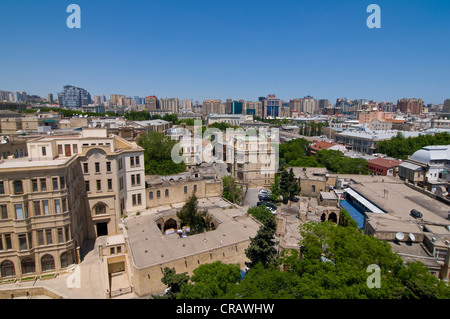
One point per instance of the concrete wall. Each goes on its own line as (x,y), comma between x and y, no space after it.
(147,281)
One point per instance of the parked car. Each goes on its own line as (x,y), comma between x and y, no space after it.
(264,197)
(416,214)
(265,192)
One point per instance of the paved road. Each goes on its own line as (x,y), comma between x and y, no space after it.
(252,196)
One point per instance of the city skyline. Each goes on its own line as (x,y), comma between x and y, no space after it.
(213,50)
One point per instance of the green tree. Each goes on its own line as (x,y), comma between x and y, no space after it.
(260,213)
(232,191)
(211,281)
(275,189)
(198,221)
(261,249)
(174,282)
(158,154)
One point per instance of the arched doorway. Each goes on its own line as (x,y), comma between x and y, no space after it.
(332,217)
(323,217)
(28,266)
(171,223)
(7,269)
(47,263)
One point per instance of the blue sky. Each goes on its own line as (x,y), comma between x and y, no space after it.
(239,49)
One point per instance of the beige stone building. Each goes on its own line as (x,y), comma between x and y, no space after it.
(169,190)
(314,180)
(151,249)
(42,222)
(68,189)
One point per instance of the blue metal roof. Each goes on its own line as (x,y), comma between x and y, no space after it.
(353,212)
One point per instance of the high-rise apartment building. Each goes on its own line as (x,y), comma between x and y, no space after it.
(213,106)
(324,103)
(74,97)
(152,103)
(295,105)
(271,106)
(413,106)
(171,104)
(253,108)
(446,107)
(309,105)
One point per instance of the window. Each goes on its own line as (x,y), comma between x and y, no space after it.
(62,182)
(60,150)
(86,168)
(75,148)
(40,234)
(195,188)
(37,208)
(18,187)
(99,185)
(23,242)
(2,187)
(4,211)
(45,205)
(34,184)
(87,186)
(100,209)
(8,241)
(440,254)
(19,211)
(43,184)
(57,206)
(44,151)
(150,195)
(108,167)
(60,235)
(121,183)
(64,204)
(97,167)
(28,266)
(166,193)
(132,161)
(158,194)
(120,163)
(55,183)
(133,198)
(133,180)
(185,189)
(110,184)
(137,160)
(66,230)
(138,179)
(7,269)
(139,199)
(48,236)
(47,263)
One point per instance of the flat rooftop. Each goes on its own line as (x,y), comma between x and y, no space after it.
(397,199)
(24,162)
(149,246)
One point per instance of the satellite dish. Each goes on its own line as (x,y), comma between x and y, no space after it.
(399,236)
(412,237)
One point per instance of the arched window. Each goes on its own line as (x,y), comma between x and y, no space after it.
(158,194)
(47,262)
(166,193)
(7,269)
(28,266)
(185,190)
(150,195)
(195,188)
(18,187)
(66,259)
(100,209)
